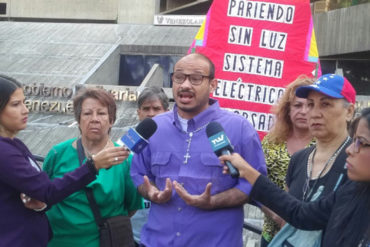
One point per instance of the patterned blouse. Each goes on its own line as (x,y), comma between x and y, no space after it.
(277,162)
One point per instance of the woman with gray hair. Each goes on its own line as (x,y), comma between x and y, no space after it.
(72,220)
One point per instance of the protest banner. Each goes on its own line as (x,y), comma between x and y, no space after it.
(258,47)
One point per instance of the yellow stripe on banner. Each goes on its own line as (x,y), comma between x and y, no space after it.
(313,46)
(200,34)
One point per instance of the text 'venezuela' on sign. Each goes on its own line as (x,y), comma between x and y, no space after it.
(37,94)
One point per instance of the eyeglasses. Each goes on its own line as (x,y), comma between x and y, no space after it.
(357,143)
(195,79)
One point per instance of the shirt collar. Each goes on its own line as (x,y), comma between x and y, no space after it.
(201,119)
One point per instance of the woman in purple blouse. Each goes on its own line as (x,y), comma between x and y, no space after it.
(19,174)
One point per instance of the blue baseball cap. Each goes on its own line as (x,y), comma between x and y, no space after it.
(334,86)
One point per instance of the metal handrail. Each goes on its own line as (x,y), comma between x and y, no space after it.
(252,228)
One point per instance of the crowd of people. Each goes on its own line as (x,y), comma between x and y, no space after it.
(310,176)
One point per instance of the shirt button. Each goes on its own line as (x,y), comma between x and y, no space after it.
(179,208)
(178,234)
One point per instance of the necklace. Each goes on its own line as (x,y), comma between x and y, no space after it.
(90,154)
(307,190)
(187,155)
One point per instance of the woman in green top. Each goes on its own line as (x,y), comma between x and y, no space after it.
(72,220)
(289,134)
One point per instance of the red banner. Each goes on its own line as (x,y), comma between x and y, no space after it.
(258,47)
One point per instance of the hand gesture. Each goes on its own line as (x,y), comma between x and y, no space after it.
(202,201)
(156,195)
(110,156)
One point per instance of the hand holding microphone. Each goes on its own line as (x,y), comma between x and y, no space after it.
(134,140)
(221,144)
(137,139)
(245,169)
(109,157)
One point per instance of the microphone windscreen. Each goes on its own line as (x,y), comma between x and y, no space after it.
(146,128)
(213,128)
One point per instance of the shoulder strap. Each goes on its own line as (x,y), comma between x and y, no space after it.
(89,194)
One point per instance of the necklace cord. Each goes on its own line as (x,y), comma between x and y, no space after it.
(307,189)
(88,153)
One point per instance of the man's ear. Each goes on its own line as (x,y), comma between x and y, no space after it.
(213,85)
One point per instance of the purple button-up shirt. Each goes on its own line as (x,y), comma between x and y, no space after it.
(175,223)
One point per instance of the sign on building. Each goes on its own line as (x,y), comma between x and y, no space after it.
(178,20)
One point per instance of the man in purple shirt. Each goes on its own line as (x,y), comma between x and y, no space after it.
(193,203)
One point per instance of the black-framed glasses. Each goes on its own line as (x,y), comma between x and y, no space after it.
(195,79)
(357,143)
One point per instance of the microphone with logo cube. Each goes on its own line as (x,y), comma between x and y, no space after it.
(221,145)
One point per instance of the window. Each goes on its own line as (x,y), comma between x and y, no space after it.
(134,68)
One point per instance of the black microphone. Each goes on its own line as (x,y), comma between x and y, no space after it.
(221,144)
(137,139)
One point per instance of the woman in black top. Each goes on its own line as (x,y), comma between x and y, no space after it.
(344,215)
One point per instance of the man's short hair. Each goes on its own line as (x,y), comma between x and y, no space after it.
(153,93)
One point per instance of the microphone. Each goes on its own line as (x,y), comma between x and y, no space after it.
(221,144)
(137,139)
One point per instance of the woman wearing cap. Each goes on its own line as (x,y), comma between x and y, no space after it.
(344,215)
(288,135)
(318,170)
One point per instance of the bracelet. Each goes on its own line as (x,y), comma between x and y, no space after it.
(40,209)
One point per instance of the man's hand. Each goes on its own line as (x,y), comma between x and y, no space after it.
(151,192)
(202,201)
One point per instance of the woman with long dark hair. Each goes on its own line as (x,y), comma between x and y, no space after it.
(19,173)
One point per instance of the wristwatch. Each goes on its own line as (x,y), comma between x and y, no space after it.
(91,165)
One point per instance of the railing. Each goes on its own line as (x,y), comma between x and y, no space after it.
(326,5)
(252,228)
(247,226)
